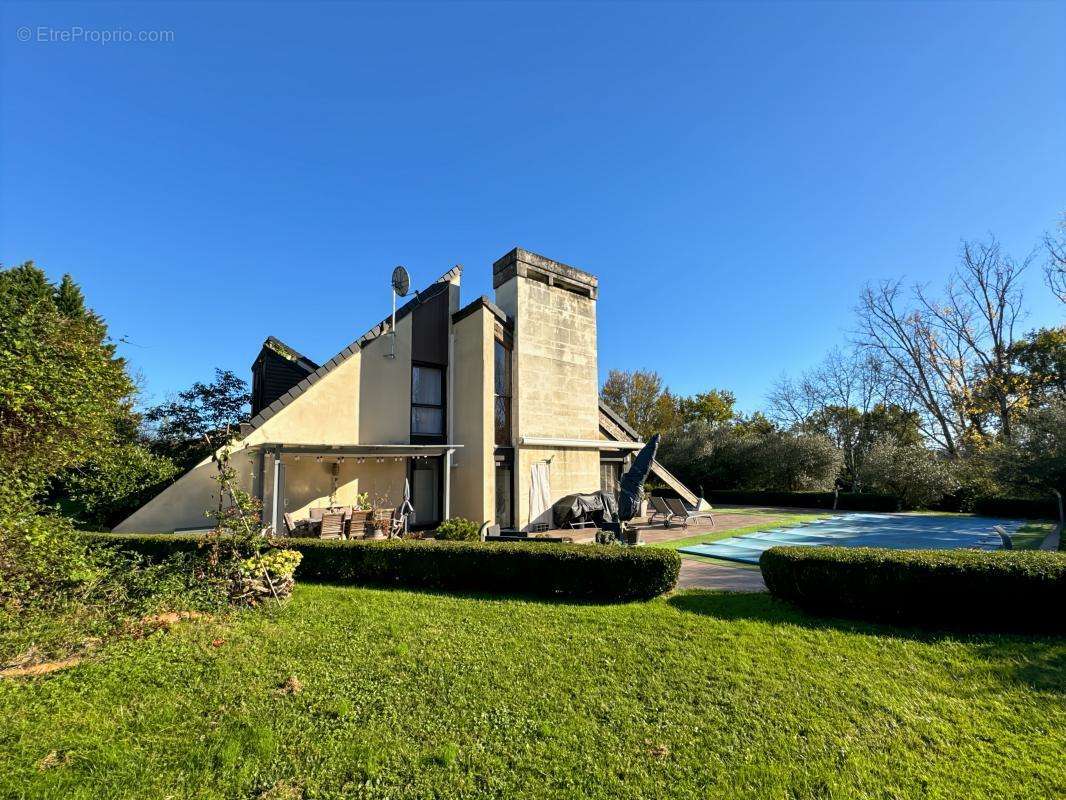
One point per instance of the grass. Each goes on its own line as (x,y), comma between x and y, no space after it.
(1031,535)
(404,694)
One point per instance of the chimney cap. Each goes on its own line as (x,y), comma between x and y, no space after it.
(531,265)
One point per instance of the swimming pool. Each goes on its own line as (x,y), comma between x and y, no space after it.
(894,531)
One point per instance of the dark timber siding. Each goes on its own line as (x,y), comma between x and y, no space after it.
(272,376)
(429,331)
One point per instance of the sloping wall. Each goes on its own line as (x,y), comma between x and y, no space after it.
(327,413)
(359,397)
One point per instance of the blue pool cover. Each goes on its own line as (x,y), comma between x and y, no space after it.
(894,531)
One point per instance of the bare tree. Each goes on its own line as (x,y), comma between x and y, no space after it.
(976,322)
(951,357)
(845,398)
(1055,269)
(845,379)
(918,368)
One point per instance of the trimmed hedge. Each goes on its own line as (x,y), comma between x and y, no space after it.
(969,589)
(847,501)
(572,571)
(1016,508)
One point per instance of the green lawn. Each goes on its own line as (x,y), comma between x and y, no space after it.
(409,694)
(1031,535)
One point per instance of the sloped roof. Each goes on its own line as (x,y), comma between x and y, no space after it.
(481,302)
(662,472)
(618,420)
(282,349)
(438,286)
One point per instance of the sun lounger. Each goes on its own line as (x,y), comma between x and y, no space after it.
(659,510)
(679,511)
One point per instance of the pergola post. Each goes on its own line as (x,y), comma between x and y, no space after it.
(447,481)
(277,500)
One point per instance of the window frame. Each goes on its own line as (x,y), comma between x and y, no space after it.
(429,438)
(502,340)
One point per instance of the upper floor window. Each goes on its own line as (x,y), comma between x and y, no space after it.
(427,400)
(502,380)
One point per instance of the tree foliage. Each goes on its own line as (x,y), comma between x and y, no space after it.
(650,407)
(181,427)
(112,485)
(1041,357)
(1035,462)
(751,455)
(63,391)
(641,399)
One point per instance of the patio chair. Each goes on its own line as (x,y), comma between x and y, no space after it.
(317,514)
(290,525)
(678,510)
(660,509)
(332,526)
(1004,537)
(488,529)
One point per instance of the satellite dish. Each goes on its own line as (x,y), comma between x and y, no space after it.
(401,281)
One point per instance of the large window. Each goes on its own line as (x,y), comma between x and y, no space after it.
(427,400)
(502,373)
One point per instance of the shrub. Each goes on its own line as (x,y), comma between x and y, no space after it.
(951,588)
(846,501)
(1016,508)
(264,576)
(916,476)
(572,571)
(43,559)
(750,456)
(279,563)
(59,588)
(458,529)
(112,485)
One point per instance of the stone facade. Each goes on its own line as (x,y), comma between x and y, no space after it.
(555,392)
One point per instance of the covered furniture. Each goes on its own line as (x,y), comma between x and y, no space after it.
(594,509)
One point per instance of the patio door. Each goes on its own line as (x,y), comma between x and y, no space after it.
(611,477)
(425,491)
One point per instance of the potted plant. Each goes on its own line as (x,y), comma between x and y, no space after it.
(379,517)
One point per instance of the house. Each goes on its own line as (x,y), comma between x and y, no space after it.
(464,402)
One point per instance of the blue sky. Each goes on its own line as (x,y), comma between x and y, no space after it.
(733,173)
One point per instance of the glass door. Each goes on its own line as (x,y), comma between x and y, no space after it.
(611,477)
(504,491)
(425,491)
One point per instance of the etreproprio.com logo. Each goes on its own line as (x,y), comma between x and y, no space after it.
(78,34)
